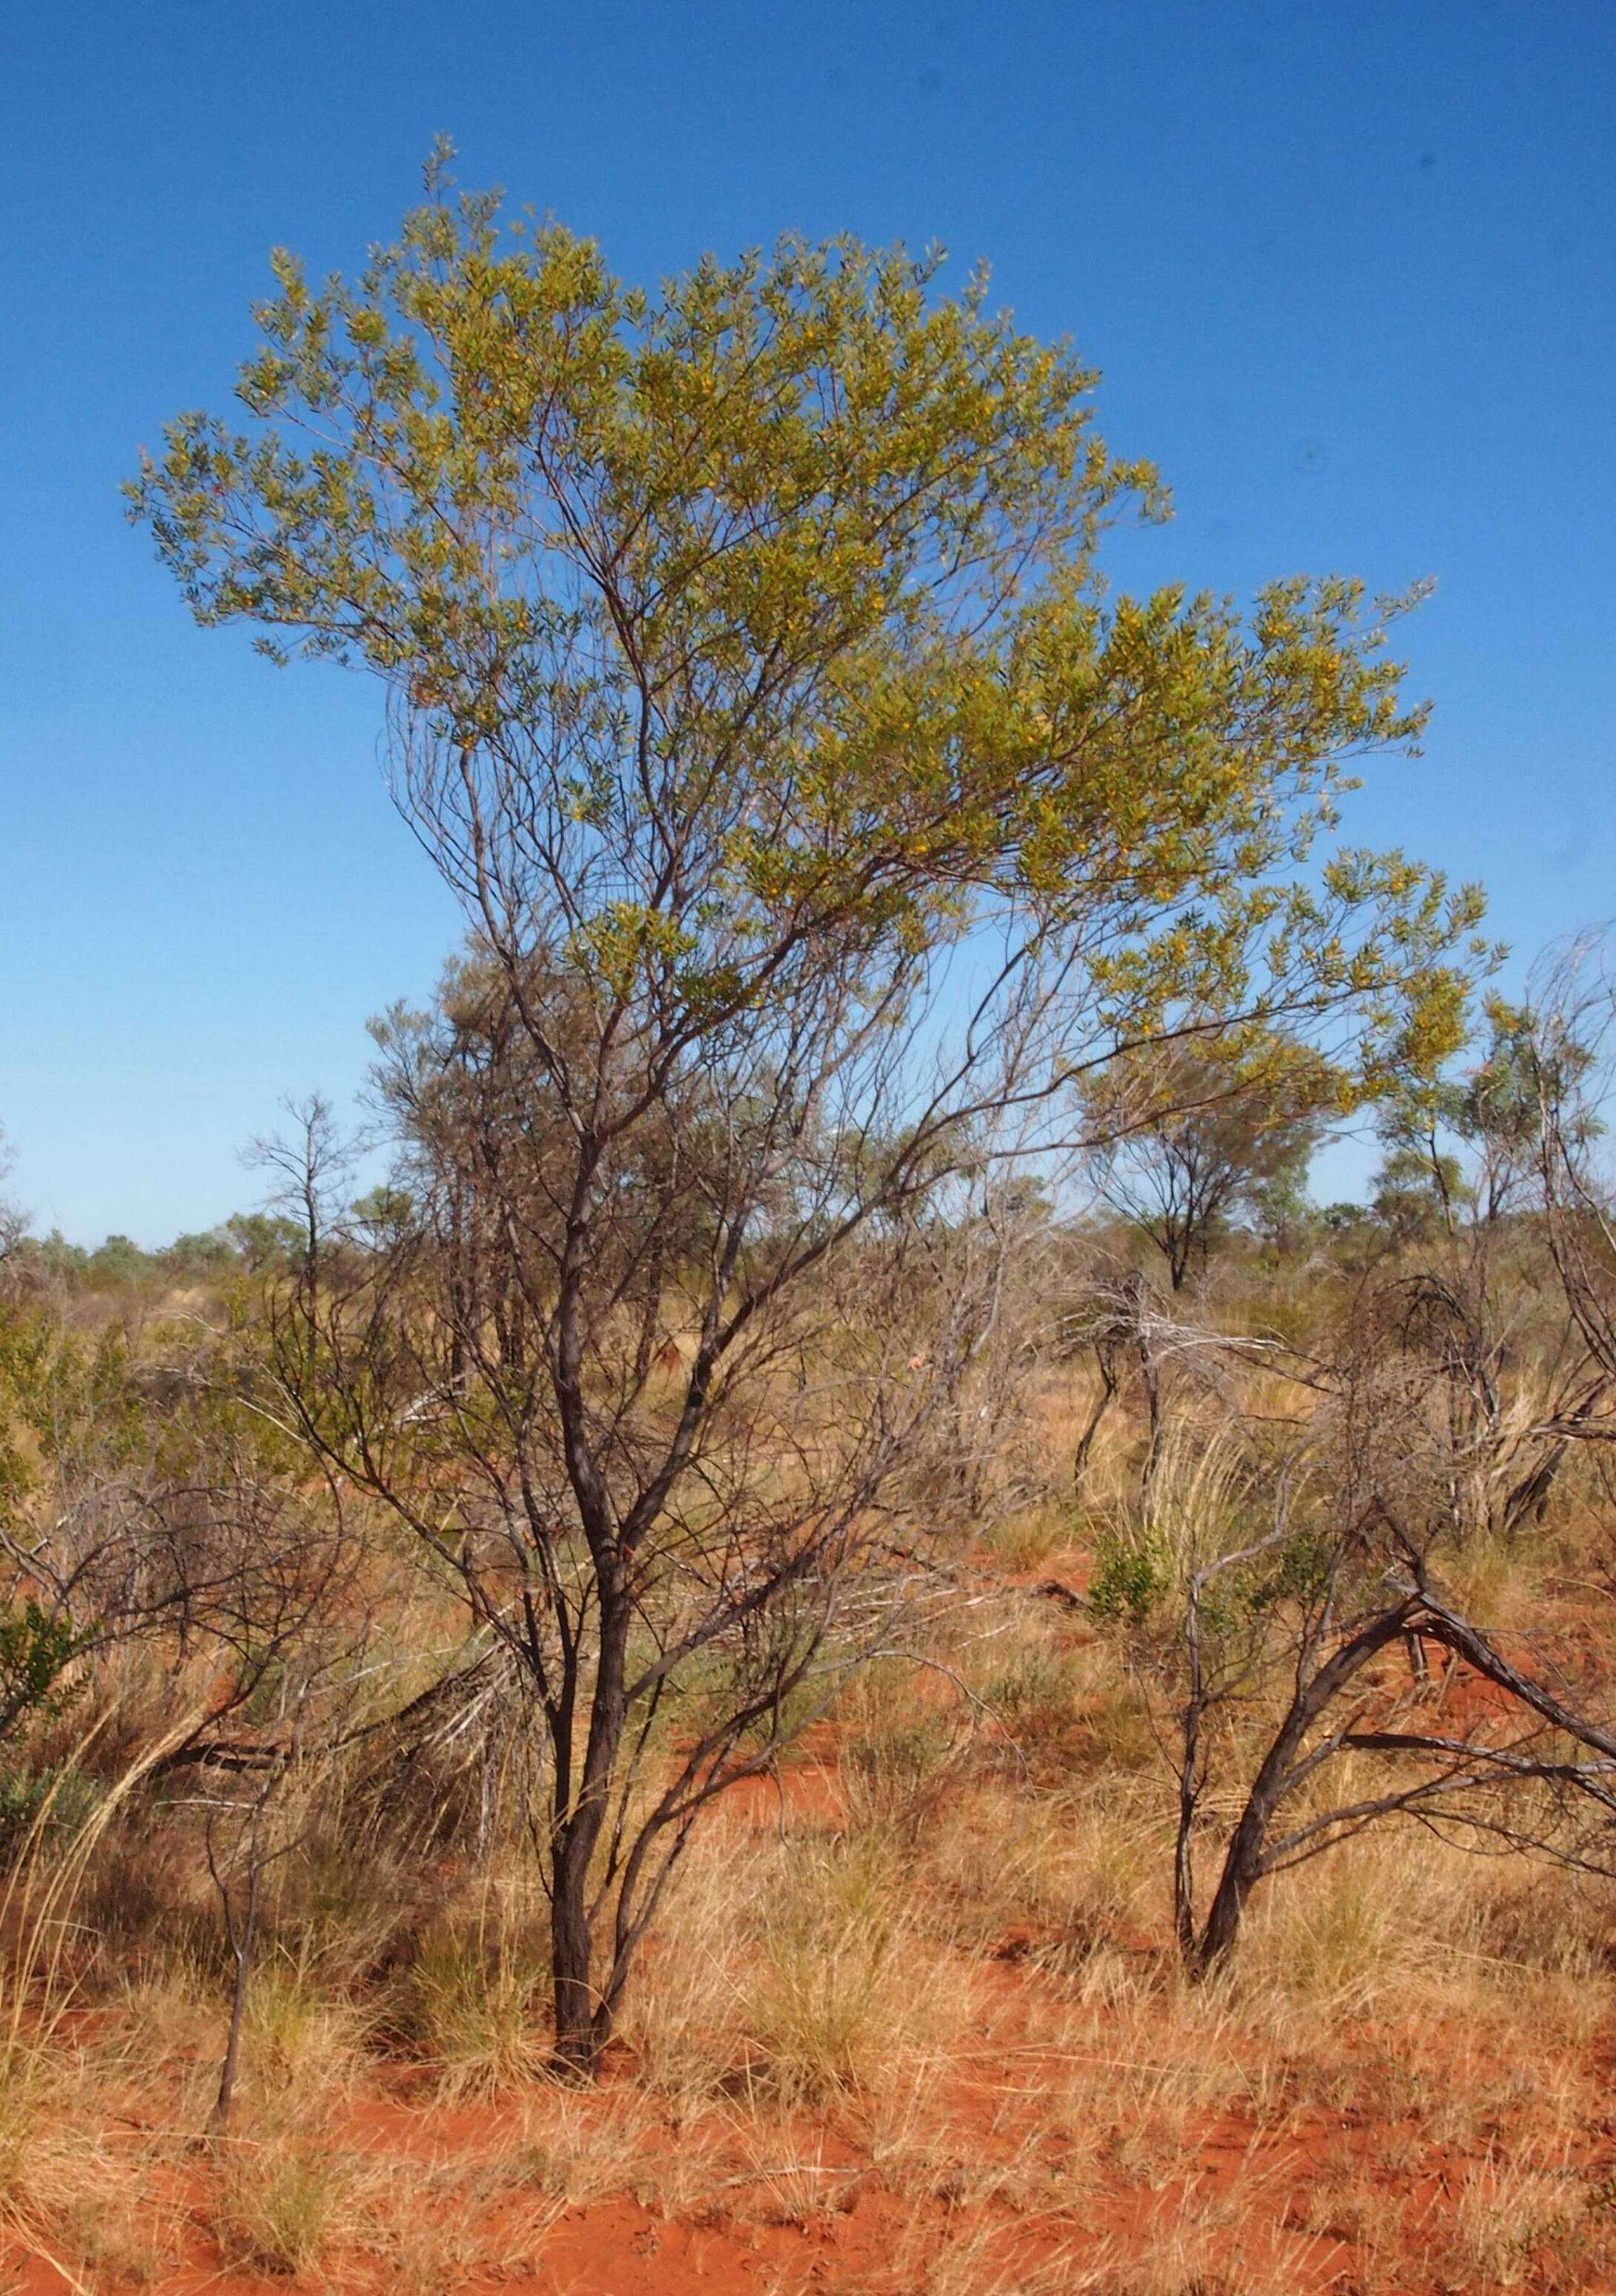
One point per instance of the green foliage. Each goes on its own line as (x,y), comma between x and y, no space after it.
(1136,1578)
(37,1647)
(263,1239)
(1132,1575)
(1418,1188)
(1193,1136)
(118,1261)
(1297,1574)
(1234,1602)
(208,1253)
(52,1258)
(383,1212)
(1464,1144)
(61,1793)
(62,1386)
(812,545)
(1530,1065)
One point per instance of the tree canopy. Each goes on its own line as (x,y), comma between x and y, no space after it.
(1199,1133)
(762,614)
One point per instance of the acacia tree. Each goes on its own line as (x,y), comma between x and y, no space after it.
(1198,1131)
(1558,1082)
(1537,1772)
(747,1573)
(818,823)
(14,1221)
(1262,1594)
(1484,1282)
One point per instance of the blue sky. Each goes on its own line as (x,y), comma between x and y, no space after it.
(1347,272)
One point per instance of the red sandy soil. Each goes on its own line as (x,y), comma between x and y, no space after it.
(621,2247)
(871,2239)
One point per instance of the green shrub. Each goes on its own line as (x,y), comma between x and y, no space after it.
(60,1792)
(1131,1577)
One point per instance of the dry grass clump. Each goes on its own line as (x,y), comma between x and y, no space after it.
(913,2147)
(841,1987)
(1524,2222)
(1529,1918)
(423,2240)
(1140,2081)
(1029,1540)
(1072,1884)
(483,2209)
(353,1908)
(282,2203)
(899,1760)
(298,2033)
(1396,1922)
(77,2188)
(1201,2242)
(683,2017)
(23,2124)
(1061,1713)
(475,2005)
(573,2149)
(480,2206)
(790,1974)
(986,2260)
(804,2189)
(1340,1938)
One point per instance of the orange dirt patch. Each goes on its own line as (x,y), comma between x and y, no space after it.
(1060,2142)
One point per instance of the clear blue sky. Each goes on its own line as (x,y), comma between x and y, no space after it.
(1348,271)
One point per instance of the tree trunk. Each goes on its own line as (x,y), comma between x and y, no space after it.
(583,2019)
(1241,1871)
(244,1939)
(1184,1847)
(1152,1376)
(1243,1865)
(576,2048)
(1102,1402)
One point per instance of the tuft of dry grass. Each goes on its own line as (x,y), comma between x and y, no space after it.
(798,1977)
(576,2149)
(475,1995)
(841,1988)
(801,2190)
(298,2034)
(1143,2087)
(981,2260)
(1514,2216)
(684,2015)
(281,2203)
(1029,1540)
